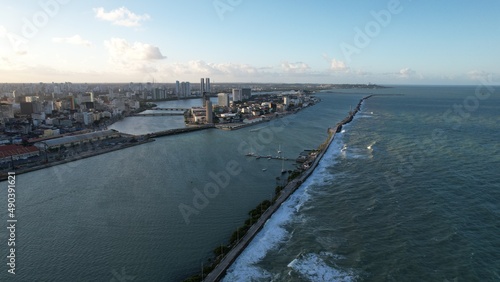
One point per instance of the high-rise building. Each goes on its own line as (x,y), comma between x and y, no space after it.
(72,102)
(185,89)
(237,95)
(246,93)
(202,86)
(209,117)
(207,87)
(177,88)
(223,99)
(286,100)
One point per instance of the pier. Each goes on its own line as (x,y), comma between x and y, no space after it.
(268,157)
(220,270)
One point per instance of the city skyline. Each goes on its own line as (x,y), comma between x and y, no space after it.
(383,42)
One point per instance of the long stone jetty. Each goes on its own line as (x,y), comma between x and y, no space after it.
(220,270)
(178,131)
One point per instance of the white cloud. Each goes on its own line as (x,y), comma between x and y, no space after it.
(75,40)
(132,57)
(122,50)
(297,67)
(406,72)
(121,16)
(338,66)
(203,68)
(19,44)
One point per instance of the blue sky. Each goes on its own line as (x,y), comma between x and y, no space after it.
(323,41)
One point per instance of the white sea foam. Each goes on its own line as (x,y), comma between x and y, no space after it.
(313,267)
(271,235)
(274,233)
(365,116)
(370,147)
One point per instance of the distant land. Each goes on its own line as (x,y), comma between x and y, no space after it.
(43,87)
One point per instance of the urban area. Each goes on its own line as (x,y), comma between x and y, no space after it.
(45,124)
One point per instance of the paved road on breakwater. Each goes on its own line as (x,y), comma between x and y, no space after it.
(220,270)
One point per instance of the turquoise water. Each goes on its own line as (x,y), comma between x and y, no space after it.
(406,193)
(417,205)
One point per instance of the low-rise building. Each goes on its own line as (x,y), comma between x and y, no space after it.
(74,140)
(16,152)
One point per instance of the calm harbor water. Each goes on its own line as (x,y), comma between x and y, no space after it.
(393,199)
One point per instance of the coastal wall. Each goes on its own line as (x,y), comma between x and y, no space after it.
(220,270)
(142,139)
(3,176)
(178,131)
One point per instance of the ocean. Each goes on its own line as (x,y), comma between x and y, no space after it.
(409,191)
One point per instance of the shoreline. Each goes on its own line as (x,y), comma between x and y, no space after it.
(148,137)
(144,138)
(220,270)
(3,176)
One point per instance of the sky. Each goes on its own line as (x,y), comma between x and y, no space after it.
(284,41)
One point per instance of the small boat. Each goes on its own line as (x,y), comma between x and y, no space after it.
(264,169)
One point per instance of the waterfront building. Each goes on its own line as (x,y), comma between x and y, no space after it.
(15,152)
(198,114)
(286,101)
(159,93)
(209,117)
(223,99)
(185,90)
(73,140)
(237,95)
(177,88)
